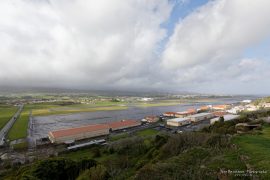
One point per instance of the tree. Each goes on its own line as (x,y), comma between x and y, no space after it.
(221,119)
(98,172)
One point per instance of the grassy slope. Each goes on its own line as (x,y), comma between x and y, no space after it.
(80,154)
(6,112)
(257,148)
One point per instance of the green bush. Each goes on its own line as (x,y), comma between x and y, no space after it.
(98,172)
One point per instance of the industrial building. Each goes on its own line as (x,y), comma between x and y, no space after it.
(219,113)
(78,133)
(220,107)
(150,119)
(186,113)
(200,116)
(89,131)
(180,114)
(178,121)
(227,117)
(117,125)
(170,114)
(204,108)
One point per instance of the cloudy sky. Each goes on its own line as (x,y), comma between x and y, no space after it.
(218,46)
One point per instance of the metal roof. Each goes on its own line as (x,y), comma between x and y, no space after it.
(199,115)
(178,119)
(78,130)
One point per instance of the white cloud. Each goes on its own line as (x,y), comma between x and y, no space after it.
(210,41)
(116,44)
(86,43)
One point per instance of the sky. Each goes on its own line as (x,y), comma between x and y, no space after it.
(215,46)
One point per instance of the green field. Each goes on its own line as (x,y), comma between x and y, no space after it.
(19,129)
(158,104)
(147,132)
(119,136)
(79,154)
(70,110)
(257,149)
(20,146)
(6,112)
(52,109)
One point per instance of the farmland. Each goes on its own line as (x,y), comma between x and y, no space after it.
(6,112)
(19,129)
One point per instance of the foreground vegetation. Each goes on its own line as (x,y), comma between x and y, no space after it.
(213,153)
(256,149)
(6,112)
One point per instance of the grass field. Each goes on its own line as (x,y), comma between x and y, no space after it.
(20,146)
(79,154)
(257,149)
(44,110)
(158,104)
(19,129)
(147,132)
(119,136)
(6,112)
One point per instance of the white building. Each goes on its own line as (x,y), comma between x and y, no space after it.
(236,109)
(227,117)
(200,117)
(178,121)
(266,105)
(246,101)
(146,99)
(251,107)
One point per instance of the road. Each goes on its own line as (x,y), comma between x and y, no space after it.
(10,123)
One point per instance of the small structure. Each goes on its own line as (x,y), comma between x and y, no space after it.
(227,117)
(78,133)
(178,121)
(266,105)
(123,124)
(220,107)
(236,109)
(86,144)
(246,101)
(219,113)
(170,114)
(204,108)
(150,119)
(186,113)
(244,127)
(200,117)
(251,107)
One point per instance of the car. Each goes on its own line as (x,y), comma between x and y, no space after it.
(161,125)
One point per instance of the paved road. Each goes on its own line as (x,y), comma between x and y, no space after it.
(10,123)
(30,138)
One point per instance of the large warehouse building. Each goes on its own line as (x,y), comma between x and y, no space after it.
(89,131)
(78,133)
(227,117)
(178,121)
(200,116)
